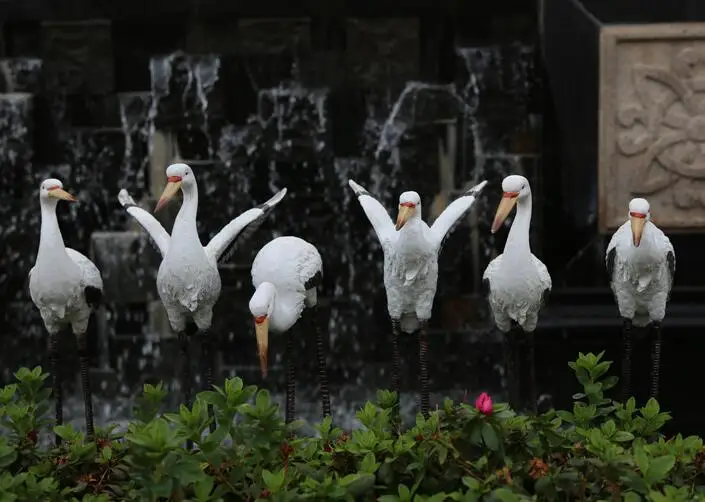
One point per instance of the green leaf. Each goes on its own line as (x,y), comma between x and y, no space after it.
(622,436)
(489,437)
(369,464)
(404,494)
(659,468)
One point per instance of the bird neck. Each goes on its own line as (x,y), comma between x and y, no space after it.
(286,310)
(51,243)
(517,245)
(185,224)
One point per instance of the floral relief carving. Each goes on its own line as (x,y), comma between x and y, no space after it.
(663,129)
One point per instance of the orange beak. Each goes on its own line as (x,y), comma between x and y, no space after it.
(173,185)
(262,333)
(509,200)
(59,193)
(406,210)
(638,220)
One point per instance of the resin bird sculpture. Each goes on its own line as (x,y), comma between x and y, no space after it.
(641,264)
(517,284)
(66,287)
(411,250)
(188,281)
(286,273)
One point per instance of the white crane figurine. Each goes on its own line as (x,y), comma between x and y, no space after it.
(188,281)
(66,287)
(286,273)
(517,283)
(411,250)
(641,264)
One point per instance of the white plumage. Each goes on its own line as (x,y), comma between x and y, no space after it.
(411,251)
(66,287)
(64,284)
(518,282)
(641,263)
(188,281)
(285,274)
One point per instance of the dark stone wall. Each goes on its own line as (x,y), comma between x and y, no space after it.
(261,96)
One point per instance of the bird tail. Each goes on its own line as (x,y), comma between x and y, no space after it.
(640,320)
(408,323)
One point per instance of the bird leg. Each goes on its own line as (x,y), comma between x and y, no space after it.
(627,332)
(423,369)
(185,374)
(510,356)
(396,369)
(324,392)
(86,384)
(655,358)
(530,355)
(207,355)
(290,378)
(56,380)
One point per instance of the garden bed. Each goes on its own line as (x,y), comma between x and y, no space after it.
(600,450)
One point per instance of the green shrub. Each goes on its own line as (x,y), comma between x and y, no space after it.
(601,450)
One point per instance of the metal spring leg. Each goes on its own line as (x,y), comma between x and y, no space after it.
(86,384)
(396,372)
(207,354)
(322,368)
(655,359)
(627,332)
(185,374)
(423,370)
(509,343)
(531,339)
(290,378)
(56,381)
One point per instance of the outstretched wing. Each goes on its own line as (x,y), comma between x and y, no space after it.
(156,231)
(378,216)
(241,228)
(450,216)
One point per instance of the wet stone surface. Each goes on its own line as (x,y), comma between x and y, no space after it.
(256,121)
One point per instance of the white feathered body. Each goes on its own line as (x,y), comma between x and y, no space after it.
(57,285)
(517,288)
(641,278)
(410,274)
(288,263)
(188,281)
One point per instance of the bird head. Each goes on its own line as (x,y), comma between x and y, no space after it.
(514,187)
(639,214)
(261,306)
(177,175)
(53,189)
(409,207)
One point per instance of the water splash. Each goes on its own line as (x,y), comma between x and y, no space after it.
(192,79)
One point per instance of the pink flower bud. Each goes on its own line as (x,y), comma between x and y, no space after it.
(484,404)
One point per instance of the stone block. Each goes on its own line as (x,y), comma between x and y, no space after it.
(21,75)
(186,88)
(273,36)
(383,51)
(125,263)
(15,132)
(79,56)
(652,123)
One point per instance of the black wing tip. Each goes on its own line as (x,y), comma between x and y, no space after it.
(314,281)
(476,189)
(94,296)
(486,286)
(358,189)
(611,256)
